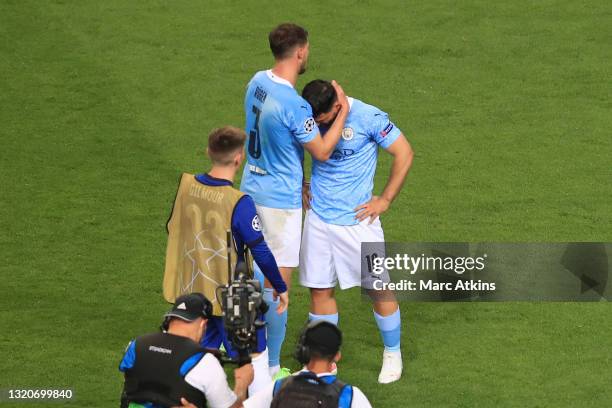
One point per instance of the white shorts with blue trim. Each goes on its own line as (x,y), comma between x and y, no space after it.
(282,230)
(331,253)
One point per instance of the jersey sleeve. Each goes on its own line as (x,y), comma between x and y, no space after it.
(359,399)
(301,124)
(382,130)
(208,377)
(267,263)
(262,398)
(245,222)
(246,229)
(129,358)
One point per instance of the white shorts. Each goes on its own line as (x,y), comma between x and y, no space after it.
(332,253)
(282,230)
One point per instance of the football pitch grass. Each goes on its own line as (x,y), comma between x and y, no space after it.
(104,104)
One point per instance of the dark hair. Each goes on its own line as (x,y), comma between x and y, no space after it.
(224,142)
(284,38)
(321,339)
(321,95)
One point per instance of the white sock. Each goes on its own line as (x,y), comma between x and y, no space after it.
(273,370)
(262,373)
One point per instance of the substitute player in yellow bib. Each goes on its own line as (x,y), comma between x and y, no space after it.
(206,207)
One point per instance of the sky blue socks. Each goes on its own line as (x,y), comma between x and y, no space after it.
(332,318)
(390,329)
(276,325)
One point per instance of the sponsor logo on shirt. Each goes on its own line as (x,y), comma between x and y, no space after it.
(347,133)
(257,170)
(342,154)
(387,129)
(160,350)
(255,223)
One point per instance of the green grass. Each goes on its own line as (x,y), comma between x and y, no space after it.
(103,104)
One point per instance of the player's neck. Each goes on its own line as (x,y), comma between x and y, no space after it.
(319,366)
(286,70)
(223,172)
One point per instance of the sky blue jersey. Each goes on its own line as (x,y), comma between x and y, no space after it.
(278,122)
(346,180)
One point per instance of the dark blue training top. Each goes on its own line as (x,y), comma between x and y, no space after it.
(247,231)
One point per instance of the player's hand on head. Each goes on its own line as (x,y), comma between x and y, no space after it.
(372,209)
(342,99)
(283,302)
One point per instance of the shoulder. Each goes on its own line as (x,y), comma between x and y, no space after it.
(359,399)
(293,102)
(364,109)
(207,371)
(210,362)
(245,204)
(235,193)
(148,337)
(259,75)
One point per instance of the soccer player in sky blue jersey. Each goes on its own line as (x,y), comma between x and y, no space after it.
(279,126)
(344,213)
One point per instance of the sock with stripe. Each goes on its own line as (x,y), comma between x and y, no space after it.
(390,328)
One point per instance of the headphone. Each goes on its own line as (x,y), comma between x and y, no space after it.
(302,351)
(207,311)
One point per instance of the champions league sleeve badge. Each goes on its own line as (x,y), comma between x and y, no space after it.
(255,223)
(309,125)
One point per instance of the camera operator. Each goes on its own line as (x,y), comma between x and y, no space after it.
(199,255)
(315,386)
(171,369)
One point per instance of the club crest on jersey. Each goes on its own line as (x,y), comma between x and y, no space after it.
(347,133)
(309,125)
(387,129)
(256,224)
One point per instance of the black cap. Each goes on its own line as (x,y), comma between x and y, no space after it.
(323,337)
(190,307)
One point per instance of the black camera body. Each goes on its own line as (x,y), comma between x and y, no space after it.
(242,304)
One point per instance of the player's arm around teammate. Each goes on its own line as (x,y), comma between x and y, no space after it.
(321,148)
(279,127)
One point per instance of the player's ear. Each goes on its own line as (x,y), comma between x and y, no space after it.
(203,326)
(301,52)
(239,157)
(337,357)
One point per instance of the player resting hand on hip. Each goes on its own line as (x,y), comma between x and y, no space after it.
(344,213)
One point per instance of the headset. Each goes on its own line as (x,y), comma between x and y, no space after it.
(302,351)
(207,311)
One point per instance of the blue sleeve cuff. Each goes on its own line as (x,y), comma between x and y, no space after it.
(309,137)
(390,138)
(129,358)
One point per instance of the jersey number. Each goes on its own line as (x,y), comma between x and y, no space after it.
(370,260)
(254,140)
